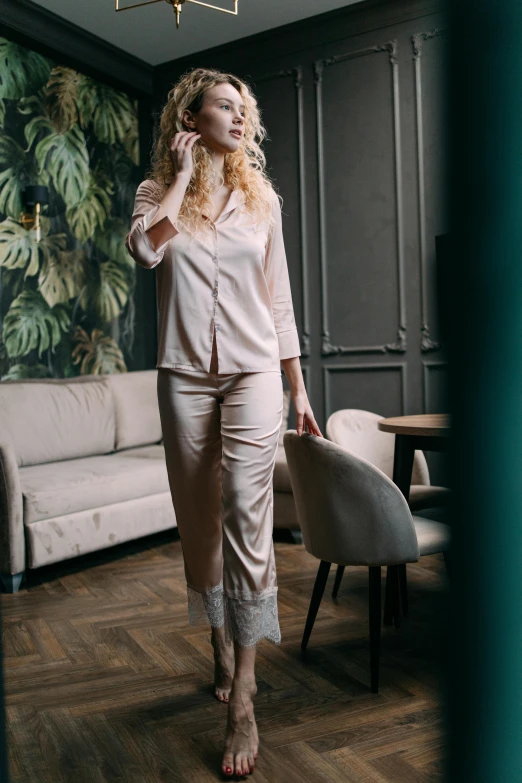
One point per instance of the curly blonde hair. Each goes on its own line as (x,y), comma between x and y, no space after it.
(244,169)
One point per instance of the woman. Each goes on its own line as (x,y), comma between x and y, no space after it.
(210,221)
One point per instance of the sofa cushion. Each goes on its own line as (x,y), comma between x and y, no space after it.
(137,413)
(49,420)
(62,488)
(52,540)
(430,496)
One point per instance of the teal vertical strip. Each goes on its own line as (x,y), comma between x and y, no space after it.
(483,307)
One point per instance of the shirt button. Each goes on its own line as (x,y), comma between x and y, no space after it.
(214,293)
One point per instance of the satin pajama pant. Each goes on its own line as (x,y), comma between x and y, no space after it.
(220,434)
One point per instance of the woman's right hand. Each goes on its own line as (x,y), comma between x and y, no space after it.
(181,152)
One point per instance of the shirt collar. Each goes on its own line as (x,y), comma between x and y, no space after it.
(236,198)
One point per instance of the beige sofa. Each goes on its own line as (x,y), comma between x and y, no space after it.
(82,467)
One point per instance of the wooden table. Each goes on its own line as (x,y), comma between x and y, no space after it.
(427,432)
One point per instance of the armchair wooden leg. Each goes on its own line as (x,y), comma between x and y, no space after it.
(337,583)
(375,625)
(320,584)
(388,608)
(396,597)
(392,606)
(403,581)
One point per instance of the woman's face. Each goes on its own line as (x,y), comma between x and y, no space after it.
(221,119)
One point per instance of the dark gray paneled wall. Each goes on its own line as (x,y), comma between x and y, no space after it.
(354,106)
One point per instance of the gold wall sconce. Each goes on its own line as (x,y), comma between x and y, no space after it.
(177,5)
(35,196)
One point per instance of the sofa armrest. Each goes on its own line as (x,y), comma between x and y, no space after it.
(12,537)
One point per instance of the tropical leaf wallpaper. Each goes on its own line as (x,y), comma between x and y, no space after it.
(66,302)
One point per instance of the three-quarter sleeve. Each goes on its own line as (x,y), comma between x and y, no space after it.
(147,245)
(276,273)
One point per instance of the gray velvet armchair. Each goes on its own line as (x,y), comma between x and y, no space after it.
(351,513)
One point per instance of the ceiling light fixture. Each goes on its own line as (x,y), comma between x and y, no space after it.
(177,5)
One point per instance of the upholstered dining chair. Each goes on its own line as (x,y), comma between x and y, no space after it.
(351,513)
(357,431)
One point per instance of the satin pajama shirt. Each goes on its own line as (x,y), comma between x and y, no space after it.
(225,321)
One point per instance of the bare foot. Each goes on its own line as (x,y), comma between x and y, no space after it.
(223,666)
(241,739)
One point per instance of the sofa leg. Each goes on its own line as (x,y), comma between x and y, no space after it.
(11,582)
(297,536)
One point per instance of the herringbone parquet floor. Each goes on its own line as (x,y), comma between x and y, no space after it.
(106,681)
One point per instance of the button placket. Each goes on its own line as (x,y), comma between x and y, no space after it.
(216,282)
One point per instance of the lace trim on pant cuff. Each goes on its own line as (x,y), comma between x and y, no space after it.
(206,606)
(246,619)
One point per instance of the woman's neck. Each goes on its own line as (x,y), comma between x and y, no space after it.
(218,163)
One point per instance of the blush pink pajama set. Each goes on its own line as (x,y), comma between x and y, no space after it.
(225,321)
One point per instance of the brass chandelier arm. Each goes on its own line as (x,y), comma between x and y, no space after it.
(172,2)
(128,7)
(224,10)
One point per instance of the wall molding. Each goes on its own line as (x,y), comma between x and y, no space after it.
(295,37)
(34,27)
(426,367)
(399,346)
(328,369)
(297,74)
(427,344)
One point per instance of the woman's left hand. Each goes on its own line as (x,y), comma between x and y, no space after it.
(305,417)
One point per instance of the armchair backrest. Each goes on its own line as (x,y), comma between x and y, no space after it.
(357,431)
(349,511)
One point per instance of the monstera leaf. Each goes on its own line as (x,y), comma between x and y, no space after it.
(12,162)
(69,96)
(106,291)
(19,372)
(111,241)
(41,125)
(62,276)
(22,72)
(98,353)
(37,127)
(91,212)
(125,183)
(66,158)
(2,112)
(112,116)
(131,142)
(31,324)
(20,250)
(61,96)
(32,104)
(13,280)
